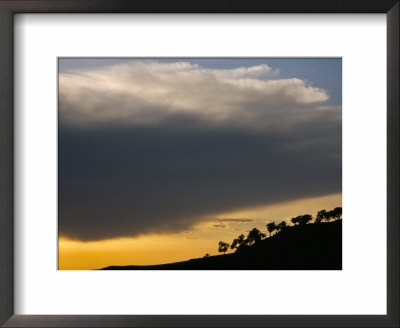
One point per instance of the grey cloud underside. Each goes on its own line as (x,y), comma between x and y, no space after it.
(124,180)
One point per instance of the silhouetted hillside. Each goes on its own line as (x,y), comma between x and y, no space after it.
(315,246)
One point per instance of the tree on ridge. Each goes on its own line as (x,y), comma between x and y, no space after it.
(254,236)
(296,220)
(321,215)
(337,213)
(281,226)
(271,227)
(304,219)
(223,247)
(239,241)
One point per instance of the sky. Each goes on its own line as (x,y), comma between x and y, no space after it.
(160,159)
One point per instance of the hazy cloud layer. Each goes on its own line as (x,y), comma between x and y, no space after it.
(219,225)
(157,147)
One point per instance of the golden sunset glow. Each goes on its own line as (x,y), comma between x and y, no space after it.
(193,243)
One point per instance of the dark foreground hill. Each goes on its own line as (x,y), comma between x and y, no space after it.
(311,247)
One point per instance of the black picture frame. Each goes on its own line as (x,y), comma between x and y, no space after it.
(10,7)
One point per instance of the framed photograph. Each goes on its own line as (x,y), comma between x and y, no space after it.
(199,164)
(162,161)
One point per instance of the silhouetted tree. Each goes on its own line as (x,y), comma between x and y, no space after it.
(254,236)
(271,227)
(334,214)
(207,255)
(237,242)
(296,220)
(234,243)
(241,239)
(223,247)
(321,215)
(281,226)
(337,213)
(304,219)
(329,215)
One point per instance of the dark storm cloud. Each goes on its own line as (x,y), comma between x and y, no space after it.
(125,182)
(148,147)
